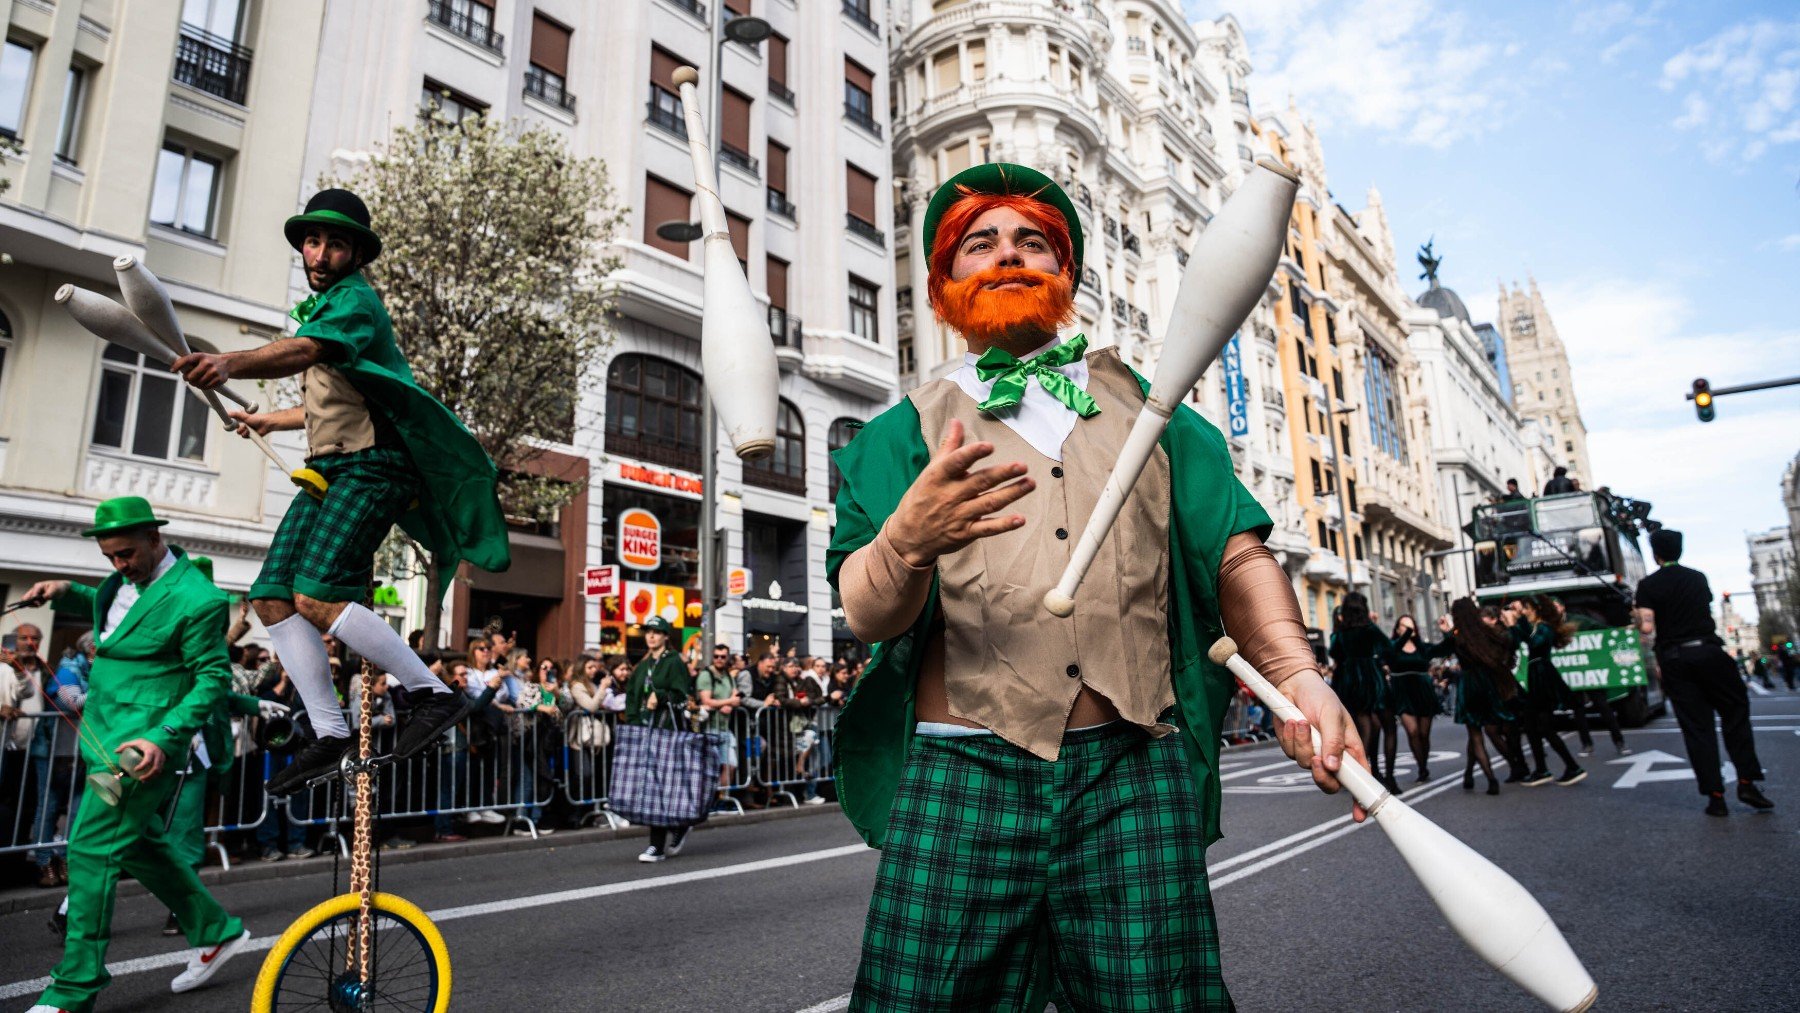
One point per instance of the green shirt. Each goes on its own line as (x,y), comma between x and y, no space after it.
(458,514)
(666,675)
(721,685)
(1207,505)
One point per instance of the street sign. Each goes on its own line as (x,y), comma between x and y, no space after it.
(1598,659)
(602,581)
(737,582)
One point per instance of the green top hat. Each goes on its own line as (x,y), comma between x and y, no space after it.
(339,209)
(1003,178)
(657,624)
(123,513)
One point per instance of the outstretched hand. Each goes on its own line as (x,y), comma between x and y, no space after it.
(952,503)
(203,370)
(261,423)
(1337,734)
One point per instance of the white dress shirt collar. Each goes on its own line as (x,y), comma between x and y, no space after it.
(1040,419)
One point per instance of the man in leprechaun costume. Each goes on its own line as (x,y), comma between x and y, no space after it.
(1044,789)
(386,452)
(159,673)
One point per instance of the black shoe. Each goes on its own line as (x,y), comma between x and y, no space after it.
(1571,776)
(430,720)
(1748,795)
(677,840)
(1715,805)
(59,924)
(1493,787)
(171,927)
(1390,784)
(1515,775)
(1537,777)
(1424,775)
(1468,782)
(320,756)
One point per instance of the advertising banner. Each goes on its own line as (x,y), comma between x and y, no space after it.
(1598,659)
(1237,410)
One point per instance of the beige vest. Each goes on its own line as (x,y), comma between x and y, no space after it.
(337,418)
(1011,666)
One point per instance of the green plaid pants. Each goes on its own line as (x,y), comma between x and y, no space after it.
(325,549)
(1008,881)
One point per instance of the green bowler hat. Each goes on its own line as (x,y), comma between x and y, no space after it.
(657,624)
(339,209)
(1004,178)
(122,514)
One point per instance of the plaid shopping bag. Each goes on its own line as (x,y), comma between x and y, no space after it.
(663,777)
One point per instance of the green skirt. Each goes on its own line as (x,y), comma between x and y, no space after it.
(1478,703)
(1361,687)
(1412,693)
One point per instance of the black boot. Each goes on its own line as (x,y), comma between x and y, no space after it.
(1748,795)
(429,720)
(1715,805)
(171,927)
(320,756)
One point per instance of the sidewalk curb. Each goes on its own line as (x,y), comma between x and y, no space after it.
(252,871)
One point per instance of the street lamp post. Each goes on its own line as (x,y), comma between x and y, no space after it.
(746,31)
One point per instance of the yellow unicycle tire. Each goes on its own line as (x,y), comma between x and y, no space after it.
(307,968)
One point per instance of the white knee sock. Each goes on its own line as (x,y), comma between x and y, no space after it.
(370,636)
(302,653)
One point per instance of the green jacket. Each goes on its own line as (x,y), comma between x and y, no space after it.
(458,515)
(667,675)
(1207,505)
(163,672)
(221,746)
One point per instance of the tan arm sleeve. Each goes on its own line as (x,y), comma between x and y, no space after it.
(882,593)
(1257,604)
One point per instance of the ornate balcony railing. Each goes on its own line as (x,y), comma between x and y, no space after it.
(737,156)
(864,229)
(784,330)
(856,10)
(1084,195)
(1119,310)
(1095,14)
(1245,153)
(778,90)
(1112,228)
(903,297)
(862,118)
(667,120)
(1241,97)
(1091,279)
(213,65)
(463,26)
(542,84)
(1136,45)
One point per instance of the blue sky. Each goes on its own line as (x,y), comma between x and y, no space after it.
(1640,159)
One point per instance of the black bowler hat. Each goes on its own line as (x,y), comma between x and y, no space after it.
(1666,544)
(339,209)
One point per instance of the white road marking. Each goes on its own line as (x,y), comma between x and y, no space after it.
(179,958)
(829,1005)
(1285,763)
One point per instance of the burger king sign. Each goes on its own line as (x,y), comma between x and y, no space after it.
(640,539)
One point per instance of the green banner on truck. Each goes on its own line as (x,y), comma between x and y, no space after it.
(1598,659)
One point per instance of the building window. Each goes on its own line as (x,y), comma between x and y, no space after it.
(68,133)
(665,98)
(653,411)
(219,18)
(186,194)
(739,228)
(776,52)
(835,440)
(734,131)
(470,19)
(665,202)
(859,194)
(783,330)
(449,103)
(207,55)
(778,202)
(547,77)
(859,96)
(6,336)
(15,86)
(143,410)
(863,296)
(785,469)
(1383,398)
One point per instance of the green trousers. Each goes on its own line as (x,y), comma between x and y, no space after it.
(1008,881)
(105,842)
(187,821)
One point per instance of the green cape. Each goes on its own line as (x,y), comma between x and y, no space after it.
(1207,505)
(458,515)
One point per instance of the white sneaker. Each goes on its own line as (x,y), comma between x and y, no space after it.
(204,963)
(816,800)
(41,1008)
(651,854)
(487,816)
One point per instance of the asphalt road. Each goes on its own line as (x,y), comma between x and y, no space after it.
(1671,910)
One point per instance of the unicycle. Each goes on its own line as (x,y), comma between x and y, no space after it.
(362,950)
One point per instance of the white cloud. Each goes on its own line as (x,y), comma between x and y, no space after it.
(1740,89)
(1788,243)
(1635,347)
(1412,70)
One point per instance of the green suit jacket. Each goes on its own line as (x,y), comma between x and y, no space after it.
(162,672)
(458,515)
(1207,505)
(667,676)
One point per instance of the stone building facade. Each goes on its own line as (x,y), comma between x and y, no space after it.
(1543,387)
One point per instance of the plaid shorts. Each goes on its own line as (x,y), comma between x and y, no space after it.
(325,549)
(1008,881)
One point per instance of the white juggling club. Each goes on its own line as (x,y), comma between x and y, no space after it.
(1227,272)
(737,357)
(1499,919)
(109,321)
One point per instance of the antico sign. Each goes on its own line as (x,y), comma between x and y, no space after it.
(640,539)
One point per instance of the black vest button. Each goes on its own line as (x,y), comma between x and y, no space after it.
(1062,532)
(1055,472)
(1074,671)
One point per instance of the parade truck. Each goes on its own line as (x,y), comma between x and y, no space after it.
(1582,549)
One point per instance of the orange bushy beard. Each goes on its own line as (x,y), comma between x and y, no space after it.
(991,316)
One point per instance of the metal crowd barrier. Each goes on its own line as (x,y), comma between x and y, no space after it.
(1239,727)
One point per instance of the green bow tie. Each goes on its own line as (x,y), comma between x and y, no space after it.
(303,311)
(1009,376)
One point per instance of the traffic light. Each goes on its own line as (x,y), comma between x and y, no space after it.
(1703,398)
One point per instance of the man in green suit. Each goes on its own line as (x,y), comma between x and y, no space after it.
(160,672)
(384,452)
